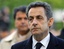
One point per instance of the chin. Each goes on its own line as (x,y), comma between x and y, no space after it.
(35,33)
(23,28)
(26,29)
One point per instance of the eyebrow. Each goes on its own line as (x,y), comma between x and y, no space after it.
(30,17)
(38,15)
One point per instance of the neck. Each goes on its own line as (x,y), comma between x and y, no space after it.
(23,32)
(41,36)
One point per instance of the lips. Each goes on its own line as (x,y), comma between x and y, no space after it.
(22,25)
(35,29)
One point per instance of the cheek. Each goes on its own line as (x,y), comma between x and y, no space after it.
(44,25)
(30,25)
(27,23)
(17,24)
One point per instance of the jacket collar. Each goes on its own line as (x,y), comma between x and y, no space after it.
(29,43)
(52,43)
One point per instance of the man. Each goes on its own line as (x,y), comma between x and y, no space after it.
(4,22)
(22,32)
(40,20)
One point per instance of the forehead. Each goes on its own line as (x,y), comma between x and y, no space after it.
(36,11)
(20,14)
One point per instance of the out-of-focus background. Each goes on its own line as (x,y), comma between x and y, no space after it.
(6,15)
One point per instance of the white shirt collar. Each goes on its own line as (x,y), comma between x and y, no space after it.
(45,41)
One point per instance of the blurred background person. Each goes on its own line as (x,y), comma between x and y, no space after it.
(6,16)
(54,31)
(4,22)
(22,30)
(62,30)
(3,33)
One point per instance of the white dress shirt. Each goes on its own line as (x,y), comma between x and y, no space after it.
(45,42)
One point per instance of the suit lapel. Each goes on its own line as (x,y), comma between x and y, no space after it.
(53,42)
(29,43)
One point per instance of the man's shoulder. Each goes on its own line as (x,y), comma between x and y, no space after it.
(19,45)
(60,41)
(55,40)
(23,44)
(55,37)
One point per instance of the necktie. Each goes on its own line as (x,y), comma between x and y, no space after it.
(38,45)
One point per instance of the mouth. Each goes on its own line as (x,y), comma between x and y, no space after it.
(35,29)
(22,25)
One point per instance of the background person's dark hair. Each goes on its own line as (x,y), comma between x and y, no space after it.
(22,9)
(45,5)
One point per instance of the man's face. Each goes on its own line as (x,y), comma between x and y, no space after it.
(38,21)
(21,21)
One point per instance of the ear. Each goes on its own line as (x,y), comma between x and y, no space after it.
(50,22)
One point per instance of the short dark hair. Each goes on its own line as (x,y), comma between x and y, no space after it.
(21,8)
(45,5)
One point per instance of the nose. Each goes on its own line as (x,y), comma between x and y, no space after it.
(34,22)
(22,21)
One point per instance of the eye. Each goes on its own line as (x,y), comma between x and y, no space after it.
(39,17)
(19,18)
(25,18)
(30,18)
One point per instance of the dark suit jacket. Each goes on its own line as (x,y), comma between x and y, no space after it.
(54,43)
